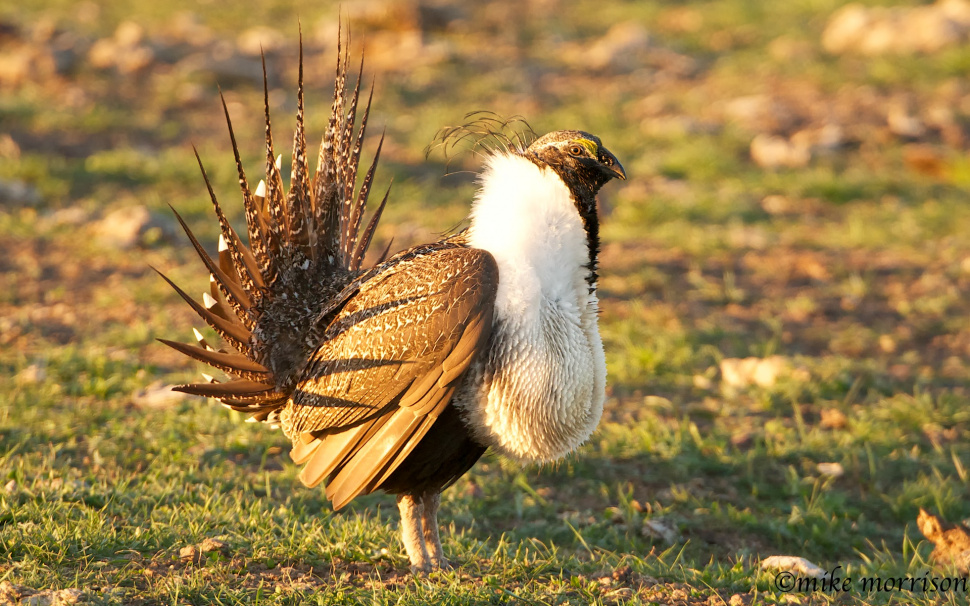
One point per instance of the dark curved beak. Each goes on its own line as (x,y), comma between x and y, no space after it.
(611,166)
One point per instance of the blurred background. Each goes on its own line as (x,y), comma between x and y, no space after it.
(785,272)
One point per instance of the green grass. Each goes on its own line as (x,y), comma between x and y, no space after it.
(860,280)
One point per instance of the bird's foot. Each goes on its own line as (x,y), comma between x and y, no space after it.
(430,566)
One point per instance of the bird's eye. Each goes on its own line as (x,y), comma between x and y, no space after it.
(576,150)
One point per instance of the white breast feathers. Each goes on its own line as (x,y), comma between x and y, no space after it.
(539,392)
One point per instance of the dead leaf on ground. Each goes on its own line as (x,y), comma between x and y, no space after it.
(952,541)
(833,418)
(926,160)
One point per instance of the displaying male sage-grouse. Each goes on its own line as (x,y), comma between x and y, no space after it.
(400,376)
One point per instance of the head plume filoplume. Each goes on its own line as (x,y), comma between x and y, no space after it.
(484,133)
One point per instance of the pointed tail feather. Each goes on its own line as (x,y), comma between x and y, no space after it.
(354,158)
(237,270)
(237,388)
(364,243)
(256,232)
(357,206)
(273,201)
(230,289)
(230,363)
(232,333)
(299,201)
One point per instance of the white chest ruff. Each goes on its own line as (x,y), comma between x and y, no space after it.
(539,392)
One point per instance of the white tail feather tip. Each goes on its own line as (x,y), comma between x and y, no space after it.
(261,189)
(208,301)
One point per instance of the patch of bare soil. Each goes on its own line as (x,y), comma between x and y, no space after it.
(56,294)
(613,586)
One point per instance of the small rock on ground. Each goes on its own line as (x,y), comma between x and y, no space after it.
(131,226)
(24,596)
(213,545)
(157,395)
(794,564)
(18,193)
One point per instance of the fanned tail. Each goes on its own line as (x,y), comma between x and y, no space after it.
(270,300)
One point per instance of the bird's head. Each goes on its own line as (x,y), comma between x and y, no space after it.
(579,159)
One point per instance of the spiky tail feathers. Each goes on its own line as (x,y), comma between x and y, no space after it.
(271,301)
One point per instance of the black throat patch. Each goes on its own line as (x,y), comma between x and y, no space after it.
(586,205)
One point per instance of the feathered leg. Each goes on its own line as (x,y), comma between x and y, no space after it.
(429,523)
(412,511)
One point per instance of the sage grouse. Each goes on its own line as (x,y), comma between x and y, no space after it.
(398,377)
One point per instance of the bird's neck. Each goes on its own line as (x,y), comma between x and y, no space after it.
(543,237)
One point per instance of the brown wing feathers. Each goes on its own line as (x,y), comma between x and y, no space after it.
(446,299)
